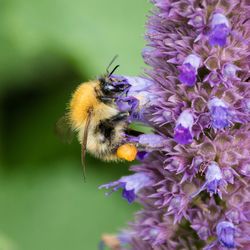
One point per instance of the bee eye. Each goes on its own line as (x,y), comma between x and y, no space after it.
(108,88)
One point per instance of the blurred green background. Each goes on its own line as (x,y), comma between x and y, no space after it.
(46,49)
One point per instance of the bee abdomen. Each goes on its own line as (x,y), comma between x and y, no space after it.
(105,139)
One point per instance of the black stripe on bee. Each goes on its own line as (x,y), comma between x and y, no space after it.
(106,130)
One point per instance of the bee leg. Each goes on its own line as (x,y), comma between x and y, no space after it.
(132,132)
(119,117)
(106,99)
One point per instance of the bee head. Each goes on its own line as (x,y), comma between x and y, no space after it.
(111,86)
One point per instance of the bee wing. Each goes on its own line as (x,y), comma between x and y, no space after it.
(63,129)
(84,142)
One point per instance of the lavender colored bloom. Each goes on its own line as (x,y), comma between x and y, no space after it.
(213,178)
(187,74)
(188,70)
(139,88)
(129,103)
(197,100)
(138,84)
(229,71)
(213,78)
(183,128)
(131,185)
(225,231)
(215,182)
(136,98)
(149,141)
(220,114)
(219,30)
(152,140)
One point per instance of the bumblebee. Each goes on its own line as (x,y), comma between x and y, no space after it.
(100,126)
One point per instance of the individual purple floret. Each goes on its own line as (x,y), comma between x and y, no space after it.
(138,84)
(213,178)
(219,111)
(215,183)
(149,141)
(127,103)
(188,70)
(225,231)
(229,71)
(183,129)
(136,98)
(213,78)
(197,20)
(130,184)
(220,30)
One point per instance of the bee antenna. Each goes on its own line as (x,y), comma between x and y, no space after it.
(113,59)
(114,69)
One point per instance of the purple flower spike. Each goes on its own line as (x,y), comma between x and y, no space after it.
(188,70)
(196,97)
(225,231)
(131,185)
(183,129)
(219,30)
(219,111)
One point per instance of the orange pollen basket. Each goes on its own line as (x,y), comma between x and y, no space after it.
(127,152)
